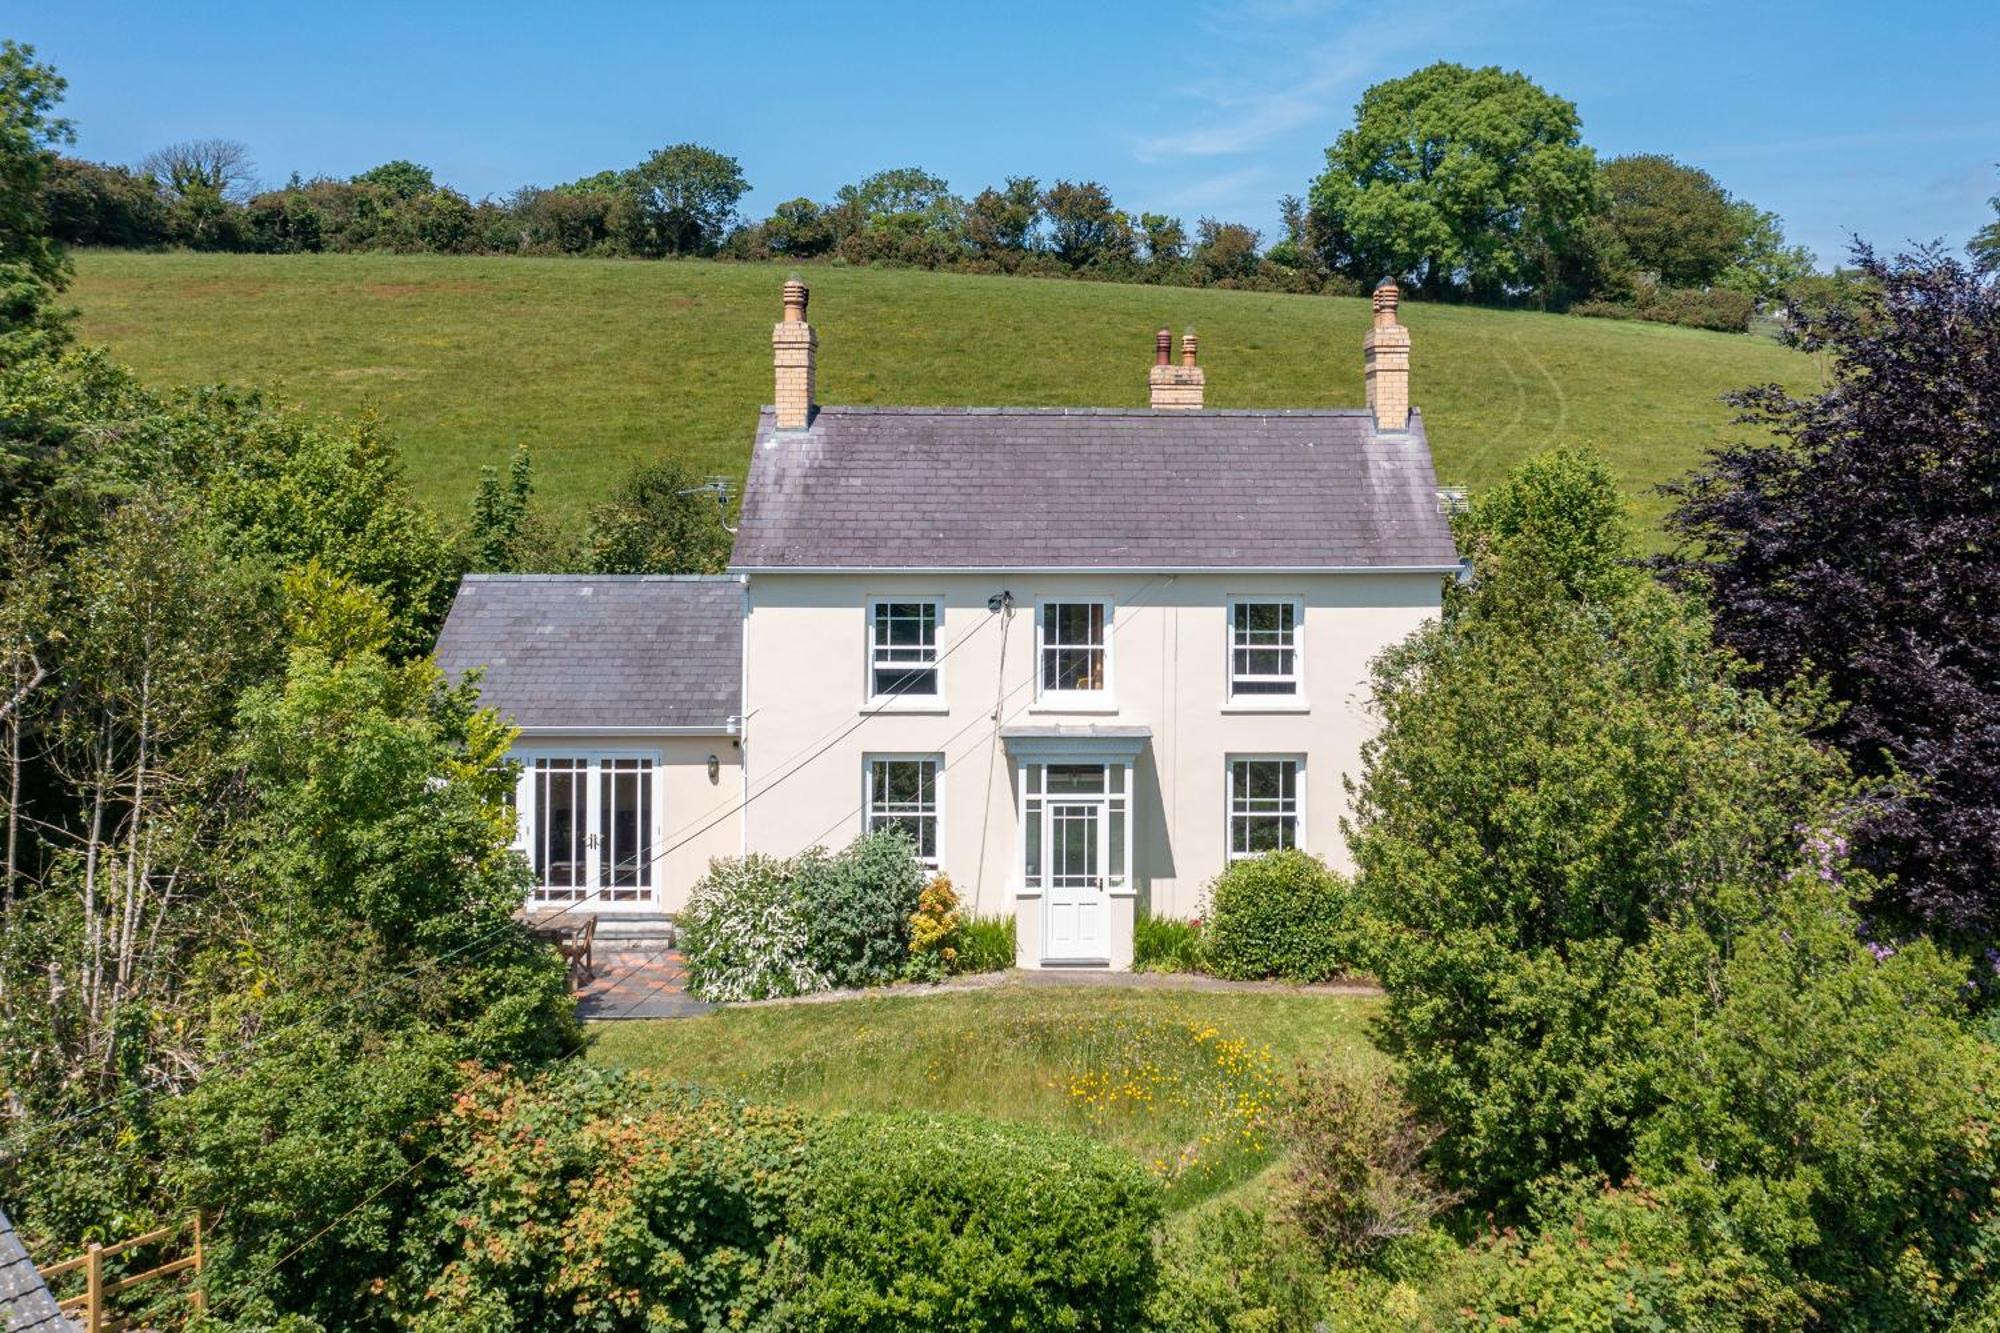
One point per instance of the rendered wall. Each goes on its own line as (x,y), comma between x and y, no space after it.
(809,727)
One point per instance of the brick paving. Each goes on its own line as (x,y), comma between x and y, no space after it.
(638,983)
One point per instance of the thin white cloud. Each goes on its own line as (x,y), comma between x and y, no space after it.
(1288,89)
(1226,189)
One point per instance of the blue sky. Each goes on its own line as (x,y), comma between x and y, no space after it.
(1881,119)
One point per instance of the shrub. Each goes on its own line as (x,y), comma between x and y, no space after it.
(598,1199)
(1823,1107)
(1225,1269)
(743,933)
(756,927)
(923,1221)
(858,904)
(986,944)
(1282,914)
(1166,944)
(935,930)
(1357,1177)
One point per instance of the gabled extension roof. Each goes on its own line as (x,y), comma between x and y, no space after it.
(601,652)
(1070,488)
(25,1302)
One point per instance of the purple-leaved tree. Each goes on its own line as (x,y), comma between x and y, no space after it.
(1862,543)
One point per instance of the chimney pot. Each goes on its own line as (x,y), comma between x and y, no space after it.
(1174,387)
(794,361)
(1386,362)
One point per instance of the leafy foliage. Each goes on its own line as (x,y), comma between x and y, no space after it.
(1856,543)
(758,927)
(1282,914)
(1673,220)
(858,904)
(661,519)
(915,1221)
(1566,766)
(986,944)
(1356,1177)
(687,198)
(1457,179)
(1824,1110)
(936,928)
(33,266)
(600,1200)
(1166,944)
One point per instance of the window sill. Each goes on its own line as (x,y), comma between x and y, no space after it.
(934,706)
(1272,704)
(1085,705)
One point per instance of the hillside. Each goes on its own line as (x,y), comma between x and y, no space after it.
(596,364)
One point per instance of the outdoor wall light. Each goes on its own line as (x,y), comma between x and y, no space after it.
(714,768)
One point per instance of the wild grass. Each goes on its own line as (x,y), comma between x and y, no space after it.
(1185,1081)
(598,364)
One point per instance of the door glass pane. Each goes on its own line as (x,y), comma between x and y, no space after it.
(1116,851)
(1076,779)
(560,843)
(626,841)
(1032,861)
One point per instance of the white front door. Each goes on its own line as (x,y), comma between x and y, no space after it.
(1075,904)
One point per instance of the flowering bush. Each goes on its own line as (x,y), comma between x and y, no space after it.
(744,934)
(756,927)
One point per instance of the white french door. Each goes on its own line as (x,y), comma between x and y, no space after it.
(590,827)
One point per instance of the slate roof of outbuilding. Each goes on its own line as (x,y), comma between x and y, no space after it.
(1091,488)
(26,1306)
(582,651)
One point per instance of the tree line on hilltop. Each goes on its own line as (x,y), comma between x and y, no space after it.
(1466,184)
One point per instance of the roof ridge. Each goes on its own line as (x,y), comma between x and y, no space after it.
(974,410)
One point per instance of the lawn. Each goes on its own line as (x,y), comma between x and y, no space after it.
(598,364)
(1185,1081)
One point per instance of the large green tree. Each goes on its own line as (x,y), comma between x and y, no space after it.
(687,198)
(1567,768)
(1672,220)
(33,267)
(1472,181)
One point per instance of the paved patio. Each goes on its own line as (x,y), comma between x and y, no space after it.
(630,983)
(652,984)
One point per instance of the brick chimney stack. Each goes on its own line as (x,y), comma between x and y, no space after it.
(794,359)
(1175,388)
(1386,356)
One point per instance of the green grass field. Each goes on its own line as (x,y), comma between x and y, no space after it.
(598,364)
(1185,1081)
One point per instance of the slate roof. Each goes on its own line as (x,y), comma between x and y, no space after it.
(1070,488)
(583,651)
(25,1303)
